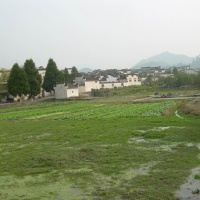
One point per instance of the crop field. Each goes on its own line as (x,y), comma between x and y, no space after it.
(96,150)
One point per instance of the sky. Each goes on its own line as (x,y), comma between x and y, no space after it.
(98,34)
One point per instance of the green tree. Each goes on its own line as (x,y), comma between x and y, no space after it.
(169,81)
(197,80)
(73,73)
(34,78)
(67,77)
(175,71)
(18,81)
(60,77)
(51,76)
(149,80)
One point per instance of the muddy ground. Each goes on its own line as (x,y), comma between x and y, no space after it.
(191,107)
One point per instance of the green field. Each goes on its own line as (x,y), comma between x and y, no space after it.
(105,149)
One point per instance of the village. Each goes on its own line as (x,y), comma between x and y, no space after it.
(83,83)
(110,79)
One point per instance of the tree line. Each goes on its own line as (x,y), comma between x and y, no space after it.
(177,79)
(26,80)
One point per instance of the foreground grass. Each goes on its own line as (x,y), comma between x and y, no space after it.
(108,158)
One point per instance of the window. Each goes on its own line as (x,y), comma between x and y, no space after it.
(102,85)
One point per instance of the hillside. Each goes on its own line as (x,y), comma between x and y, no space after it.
(165,59)
(85,70)
(196,62)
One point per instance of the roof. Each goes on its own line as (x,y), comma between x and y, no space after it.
(72,86)
(79,75)
(41,68)
(91,78)
(122,77)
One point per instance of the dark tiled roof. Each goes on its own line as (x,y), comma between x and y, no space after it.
(79,75)
(72,86)
(41,68)
(122,77)
(89,78)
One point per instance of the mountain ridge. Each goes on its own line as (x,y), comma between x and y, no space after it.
(165,59)
(85,70)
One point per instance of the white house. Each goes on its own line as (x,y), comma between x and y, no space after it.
(86,84)
(91,83)
(63,91)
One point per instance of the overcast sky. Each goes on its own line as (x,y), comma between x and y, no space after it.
(96,33)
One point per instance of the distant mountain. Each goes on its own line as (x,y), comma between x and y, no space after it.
(85,70)
(165,59)
(196,62)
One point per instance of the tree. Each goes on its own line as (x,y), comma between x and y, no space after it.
(73,73)
(197,80)
(18,81)
(34,78)
(60,77)
(149,80)
(169,81)
(4,74)
(51,76)
(66,76)
(175,71)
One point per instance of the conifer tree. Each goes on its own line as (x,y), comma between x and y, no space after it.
(51,76)
(34,78)
(18,81)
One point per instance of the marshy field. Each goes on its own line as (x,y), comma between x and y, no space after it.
(100,149)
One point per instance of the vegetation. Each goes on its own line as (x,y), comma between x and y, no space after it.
(80,110)
(197,176)
(52,76)
(34,78)
(18,81)
(69,78)
(4,74)
(107,150)
(180,79)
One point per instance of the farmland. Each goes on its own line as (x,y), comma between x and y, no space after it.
(96,150)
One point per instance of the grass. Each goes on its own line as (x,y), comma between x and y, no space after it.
(95,158)
(197,176)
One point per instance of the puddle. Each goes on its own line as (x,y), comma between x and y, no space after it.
(161,128)
(110,145)
(142,170)
(136,139)
(38,187)
(43,135)
(167,148)
(188,189)
(190,144)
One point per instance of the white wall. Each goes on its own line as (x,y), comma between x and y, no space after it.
(72,92)
(133,80)
(107,85)
(89,85)
(60,91)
